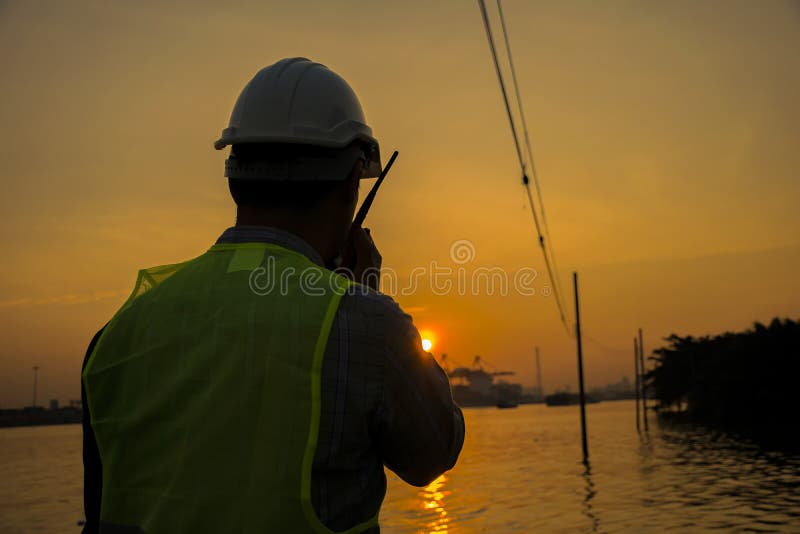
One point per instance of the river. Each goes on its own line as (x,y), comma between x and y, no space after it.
(520,471)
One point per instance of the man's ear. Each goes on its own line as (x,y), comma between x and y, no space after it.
(350,189)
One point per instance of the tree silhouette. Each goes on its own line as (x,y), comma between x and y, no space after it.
(742,381)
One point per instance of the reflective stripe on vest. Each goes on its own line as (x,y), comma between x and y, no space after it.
(204,393)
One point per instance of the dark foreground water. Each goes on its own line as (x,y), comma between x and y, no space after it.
(520,471)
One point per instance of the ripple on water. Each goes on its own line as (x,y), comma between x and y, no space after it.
(520,471)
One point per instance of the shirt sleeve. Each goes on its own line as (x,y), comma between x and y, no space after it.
(92,468)
(420,429)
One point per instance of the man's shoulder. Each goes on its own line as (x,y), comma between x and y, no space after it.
(362,300)
(376,315)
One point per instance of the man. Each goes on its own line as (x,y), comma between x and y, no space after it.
(252,389)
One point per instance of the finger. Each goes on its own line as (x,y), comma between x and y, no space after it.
(368,235)
(361,241)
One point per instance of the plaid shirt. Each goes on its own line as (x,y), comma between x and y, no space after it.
(384,401)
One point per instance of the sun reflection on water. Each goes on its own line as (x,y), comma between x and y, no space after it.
(433,497)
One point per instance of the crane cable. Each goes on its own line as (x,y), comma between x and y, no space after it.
(522,163)
(531,160)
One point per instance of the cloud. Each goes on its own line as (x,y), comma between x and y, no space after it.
(66,299)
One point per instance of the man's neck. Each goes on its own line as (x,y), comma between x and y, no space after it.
(316,235)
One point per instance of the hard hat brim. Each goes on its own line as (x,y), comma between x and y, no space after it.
(372,168)
(283,162)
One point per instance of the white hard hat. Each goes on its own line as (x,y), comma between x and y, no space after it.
(297,101)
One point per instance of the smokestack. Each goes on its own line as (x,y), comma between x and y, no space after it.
(539,375)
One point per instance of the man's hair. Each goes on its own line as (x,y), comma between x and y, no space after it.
(271,195)
(294,195)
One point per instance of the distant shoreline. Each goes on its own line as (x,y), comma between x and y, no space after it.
(38,416)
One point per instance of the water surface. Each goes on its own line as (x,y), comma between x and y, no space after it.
(520,471)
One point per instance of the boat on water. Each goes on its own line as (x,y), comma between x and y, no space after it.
(564,398)
(476,386)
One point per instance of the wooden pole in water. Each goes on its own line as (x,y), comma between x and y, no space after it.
(636,380)
(582,396)
(644,386)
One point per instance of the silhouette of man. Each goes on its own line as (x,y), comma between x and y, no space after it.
(252,389)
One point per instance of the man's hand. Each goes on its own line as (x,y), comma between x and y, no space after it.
(368,260)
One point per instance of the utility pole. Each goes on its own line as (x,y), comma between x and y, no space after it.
(636,379)
(581,394)
(644,386)
(35,379)
(539,376)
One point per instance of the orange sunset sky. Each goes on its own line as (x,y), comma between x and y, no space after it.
(666,136)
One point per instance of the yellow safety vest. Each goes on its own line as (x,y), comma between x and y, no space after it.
(204,393)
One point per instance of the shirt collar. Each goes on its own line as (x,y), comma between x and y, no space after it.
(275,236)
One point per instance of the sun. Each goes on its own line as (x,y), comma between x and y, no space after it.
(427,344)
